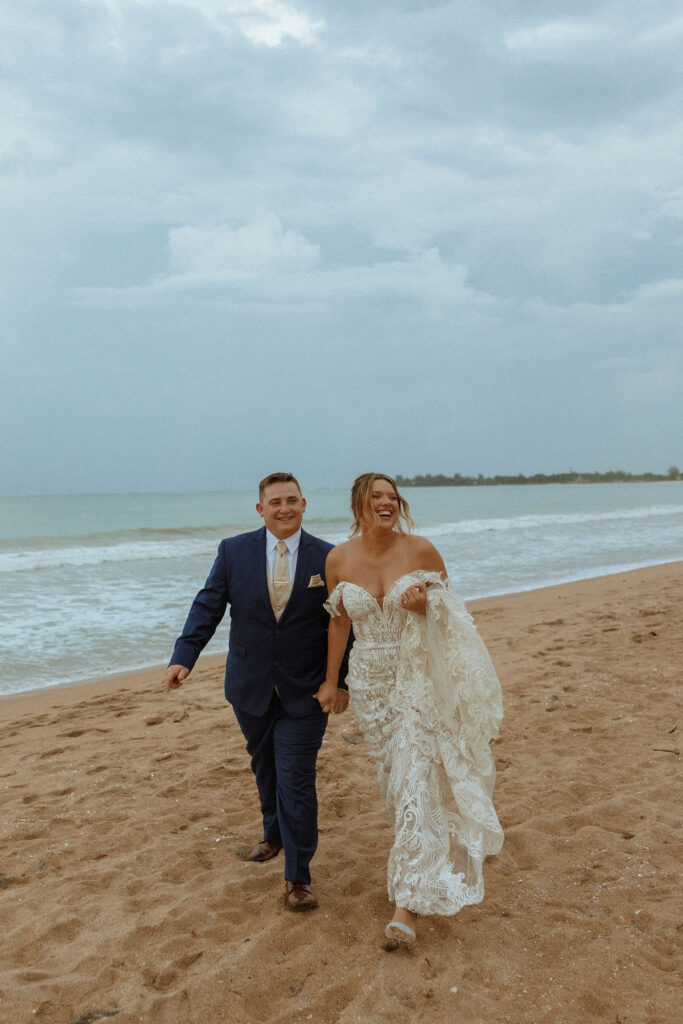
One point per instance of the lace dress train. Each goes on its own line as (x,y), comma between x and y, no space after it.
(427,699)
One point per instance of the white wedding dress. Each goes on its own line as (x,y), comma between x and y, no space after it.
(427,699)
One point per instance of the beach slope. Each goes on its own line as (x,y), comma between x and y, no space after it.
(122,898)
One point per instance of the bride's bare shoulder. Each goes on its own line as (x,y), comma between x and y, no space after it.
(339,564)
(425,551)
(418,543)
(342,553)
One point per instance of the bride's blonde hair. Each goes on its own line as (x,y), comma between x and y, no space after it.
(361,503)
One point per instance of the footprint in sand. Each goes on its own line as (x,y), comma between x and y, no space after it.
(166,977)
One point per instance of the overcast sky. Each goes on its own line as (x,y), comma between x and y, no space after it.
(338,235)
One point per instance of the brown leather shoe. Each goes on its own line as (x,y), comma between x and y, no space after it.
(299,896)
(259,853)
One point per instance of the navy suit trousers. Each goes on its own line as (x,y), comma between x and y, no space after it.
(283,753)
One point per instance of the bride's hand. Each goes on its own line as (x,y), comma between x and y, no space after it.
(331,699)
(414,599)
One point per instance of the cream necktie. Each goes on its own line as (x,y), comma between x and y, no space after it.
(280,588)
(281,568)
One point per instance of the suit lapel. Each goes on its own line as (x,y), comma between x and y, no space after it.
(261,568)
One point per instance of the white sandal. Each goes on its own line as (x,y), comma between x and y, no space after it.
(398,934)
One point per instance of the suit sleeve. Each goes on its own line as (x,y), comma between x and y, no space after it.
(208,608)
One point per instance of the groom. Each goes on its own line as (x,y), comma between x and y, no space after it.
(274,581)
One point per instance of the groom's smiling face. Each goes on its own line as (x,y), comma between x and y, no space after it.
(282,509)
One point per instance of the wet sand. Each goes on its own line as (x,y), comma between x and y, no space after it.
(122,898)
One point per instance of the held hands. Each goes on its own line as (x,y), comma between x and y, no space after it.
(414,599)
(331,698)
(175,674)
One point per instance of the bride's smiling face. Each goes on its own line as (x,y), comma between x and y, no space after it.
(384,504)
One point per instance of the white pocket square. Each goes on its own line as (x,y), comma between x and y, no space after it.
(316,581)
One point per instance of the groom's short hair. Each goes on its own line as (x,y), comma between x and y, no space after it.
(277,478)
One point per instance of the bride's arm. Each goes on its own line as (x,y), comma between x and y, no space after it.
(414,598)
(331,698)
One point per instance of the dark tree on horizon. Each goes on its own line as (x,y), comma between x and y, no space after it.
(570,477)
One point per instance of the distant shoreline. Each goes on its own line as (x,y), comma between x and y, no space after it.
(616,476)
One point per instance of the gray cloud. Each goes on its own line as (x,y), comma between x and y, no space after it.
(458,229)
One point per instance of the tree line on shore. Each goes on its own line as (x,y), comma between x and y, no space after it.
(613,476)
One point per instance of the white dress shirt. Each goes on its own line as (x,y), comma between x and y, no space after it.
(292,551)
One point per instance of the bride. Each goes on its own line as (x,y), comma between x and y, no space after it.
(426,698)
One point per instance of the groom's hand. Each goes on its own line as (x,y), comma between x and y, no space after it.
(174,677)
(331,699)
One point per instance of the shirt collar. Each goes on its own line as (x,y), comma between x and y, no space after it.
(291,542)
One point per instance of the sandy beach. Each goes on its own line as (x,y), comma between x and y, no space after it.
(122,898)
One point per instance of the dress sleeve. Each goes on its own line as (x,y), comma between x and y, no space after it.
(450,697)
(460,665)
(451,654)
(331,606)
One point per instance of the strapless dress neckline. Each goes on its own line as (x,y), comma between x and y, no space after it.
(381,600)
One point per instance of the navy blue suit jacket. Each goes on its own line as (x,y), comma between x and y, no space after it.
(263,653)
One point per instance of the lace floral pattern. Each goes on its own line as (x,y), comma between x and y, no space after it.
(427,699)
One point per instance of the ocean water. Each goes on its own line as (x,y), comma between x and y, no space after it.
(97,584)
